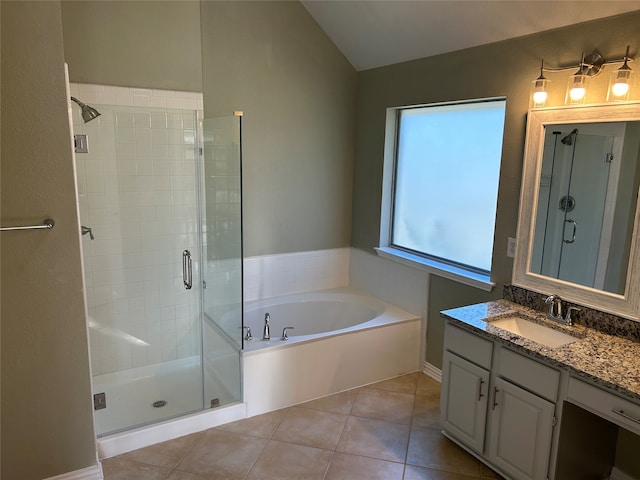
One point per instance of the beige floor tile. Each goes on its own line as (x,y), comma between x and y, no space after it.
(120,469)
(374,438)
(175,475)
(353,467)
(259,426)
(337,403)
(226,454)
(384,405)
(419,473)
(427,385)
(284,461)
(165,454)
(313,428)
(429,448)
(402,384)
(426,411)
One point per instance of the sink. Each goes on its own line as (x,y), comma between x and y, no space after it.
(533,331)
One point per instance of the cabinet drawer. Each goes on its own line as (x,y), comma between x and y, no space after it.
(468,346)
(620,411)
(529,374)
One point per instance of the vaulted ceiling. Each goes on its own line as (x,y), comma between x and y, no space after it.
(374,33)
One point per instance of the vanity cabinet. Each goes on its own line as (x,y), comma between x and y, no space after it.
(498,404)
(464,400)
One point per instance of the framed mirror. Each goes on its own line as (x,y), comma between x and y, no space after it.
(579,215)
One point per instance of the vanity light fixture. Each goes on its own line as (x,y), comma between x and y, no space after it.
(621,81)
(577,86)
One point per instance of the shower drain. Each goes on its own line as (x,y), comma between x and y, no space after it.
(159,404)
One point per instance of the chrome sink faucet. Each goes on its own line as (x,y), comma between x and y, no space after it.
(556,313)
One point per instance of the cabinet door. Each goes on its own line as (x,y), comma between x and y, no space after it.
(463,400)
(521,428)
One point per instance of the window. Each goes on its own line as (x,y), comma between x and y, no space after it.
(444,184)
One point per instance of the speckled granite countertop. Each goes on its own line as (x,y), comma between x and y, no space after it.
(606,360)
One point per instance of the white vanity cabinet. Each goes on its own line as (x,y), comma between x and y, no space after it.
(465,386)
(498,403)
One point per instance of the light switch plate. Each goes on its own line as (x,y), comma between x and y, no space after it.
(511,247)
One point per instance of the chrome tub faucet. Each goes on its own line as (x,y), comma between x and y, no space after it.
(266,335)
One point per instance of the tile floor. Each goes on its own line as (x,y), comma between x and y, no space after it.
(387,431)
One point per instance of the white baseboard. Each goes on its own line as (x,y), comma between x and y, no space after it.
(617,474)
(119,443)
(433,371)
(89,473)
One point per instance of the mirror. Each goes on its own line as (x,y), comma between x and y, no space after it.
(579,207)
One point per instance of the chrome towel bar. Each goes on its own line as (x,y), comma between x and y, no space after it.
(47,224)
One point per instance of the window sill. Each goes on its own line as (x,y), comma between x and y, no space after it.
(434,267)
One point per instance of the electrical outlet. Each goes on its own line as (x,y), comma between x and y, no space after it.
(511,247)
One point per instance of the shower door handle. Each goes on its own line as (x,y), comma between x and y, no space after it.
(187,272)
(573,235)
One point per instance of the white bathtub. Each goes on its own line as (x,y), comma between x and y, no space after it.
(341,340)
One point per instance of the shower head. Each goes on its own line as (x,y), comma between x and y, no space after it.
(88,113)
(568,140)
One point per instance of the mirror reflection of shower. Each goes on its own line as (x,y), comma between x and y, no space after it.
(568,140)
(88,112)
(578,235)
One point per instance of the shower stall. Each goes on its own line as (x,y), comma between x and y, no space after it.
(579,183)
(159,196)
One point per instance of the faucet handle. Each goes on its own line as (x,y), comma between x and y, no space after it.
(284,333)
(568,318)
(248,336)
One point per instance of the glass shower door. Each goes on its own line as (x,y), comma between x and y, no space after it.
(138,206)
(222,259)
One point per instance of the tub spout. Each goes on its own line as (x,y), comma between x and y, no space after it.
(266,335)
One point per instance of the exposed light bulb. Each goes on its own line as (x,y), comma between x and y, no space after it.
(620,89)
(577,93)
(539,97)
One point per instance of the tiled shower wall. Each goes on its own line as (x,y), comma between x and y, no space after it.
(137,193)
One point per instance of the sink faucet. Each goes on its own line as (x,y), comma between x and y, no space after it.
(556,301)
(266,335)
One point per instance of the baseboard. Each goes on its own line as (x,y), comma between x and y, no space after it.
(89,473)
(433,371)
(617,474)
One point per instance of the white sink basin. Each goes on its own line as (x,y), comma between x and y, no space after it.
(533,331)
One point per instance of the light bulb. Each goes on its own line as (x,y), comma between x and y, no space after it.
(577,93)
(620,89)
(540,97)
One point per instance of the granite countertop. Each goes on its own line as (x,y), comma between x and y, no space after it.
(606,360)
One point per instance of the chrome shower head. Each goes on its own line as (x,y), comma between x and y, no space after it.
(568,140)
(88,113)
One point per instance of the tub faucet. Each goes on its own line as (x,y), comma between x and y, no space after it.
(285,337)
(266,335)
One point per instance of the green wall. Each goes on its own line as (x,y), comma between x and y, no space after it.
(134,43)
(500,69)
(47,418)
(297,92)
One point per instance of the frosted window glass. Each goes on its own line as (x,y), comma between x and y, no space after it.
(446,184)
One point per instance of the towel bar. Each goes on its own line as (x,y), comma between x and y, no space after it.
(47,224)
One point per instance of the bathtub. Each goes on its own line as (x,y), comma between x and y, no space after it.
(340,340)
